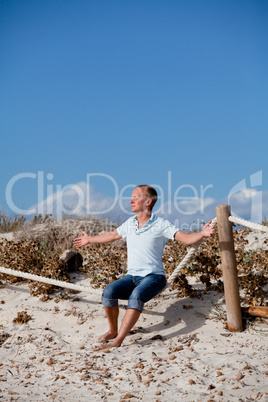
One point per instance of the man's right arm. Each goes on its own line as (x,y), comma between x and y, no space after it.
(101,238)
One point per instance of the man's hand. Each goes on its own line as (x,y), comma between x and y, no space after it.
(81,241)
(193,238)
(208,229)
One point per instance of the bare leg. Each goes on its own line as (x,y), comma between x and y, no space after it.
(112,315)
(129,320)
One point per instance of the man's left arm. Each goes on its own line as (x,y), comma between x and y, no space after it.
(192,238)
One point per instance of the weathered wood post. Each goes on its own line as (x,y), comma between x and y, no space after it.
(229,268)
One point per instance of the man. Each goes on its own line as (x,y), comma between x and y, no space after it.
(146,236)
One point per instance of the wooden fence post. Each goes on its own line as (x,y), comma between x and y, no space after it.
(229,268)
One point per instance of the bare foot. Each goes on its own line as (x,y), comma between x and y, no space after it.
(107,337)
(105,346)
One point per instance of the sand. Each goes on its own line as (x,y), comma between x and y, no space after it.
(180,350)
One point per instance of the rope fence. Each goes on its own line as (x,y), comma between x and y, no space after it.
(50,281)
(190,254)
(251,225)
(188,257)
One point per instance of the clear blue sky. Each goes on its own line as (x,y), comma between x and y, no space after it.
(134,89)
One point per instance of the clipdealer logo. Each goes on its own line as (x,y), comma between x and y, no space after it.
(51,198)
(251,195)
(76,199)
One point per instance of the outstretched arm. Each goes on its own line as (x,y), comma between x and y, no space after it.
(192,238)
(102,238)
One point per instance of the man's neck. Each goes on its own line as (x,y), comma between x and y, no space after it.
(143,217)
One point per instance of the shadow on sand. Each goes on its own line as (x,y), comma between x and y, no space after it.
(185,316)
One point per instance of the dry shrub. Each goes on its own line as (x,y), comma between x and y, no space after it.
(32,257)
(58,236)
(11,224)
(22,317)
(104,263)
(38,247)
(206,267)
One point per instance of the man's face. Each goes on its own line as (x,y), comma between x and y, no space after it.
(138,200)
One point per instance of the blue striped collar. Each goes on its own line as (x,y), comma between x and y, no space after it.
(147,225)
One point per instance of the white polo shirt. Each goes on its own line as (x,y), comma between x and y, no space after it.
(145,246)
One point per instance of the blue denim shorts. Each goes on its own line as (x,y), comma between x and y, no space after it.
(136,289)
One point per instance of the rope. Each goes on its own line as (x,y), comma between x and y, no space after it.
(43,279)
(251,225)
(186,259)
(183,262)
(193,249)
(171,278)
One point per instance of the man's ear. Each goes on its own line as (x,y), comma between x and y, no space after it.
(149,202)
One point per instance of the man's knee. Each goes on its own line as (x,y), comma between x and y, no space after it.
(108,297)
(108,292)
(135,304)
(135,301)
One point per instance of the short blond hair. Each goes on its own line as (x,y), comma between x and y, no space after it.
(149,192)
